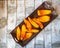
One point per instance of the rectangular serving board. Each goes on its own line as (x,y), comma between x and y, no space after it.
(44,6)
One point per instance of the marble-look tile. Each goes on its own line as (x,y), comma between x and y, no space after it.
(11,23)
(3,45)
(39,46)
(11,16)
(20,11)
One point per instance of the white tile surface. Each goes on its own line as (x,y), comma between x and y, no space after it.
(47,37)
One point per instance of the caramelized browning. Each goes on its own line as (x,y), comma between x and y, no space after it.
(43,12)
(28,35)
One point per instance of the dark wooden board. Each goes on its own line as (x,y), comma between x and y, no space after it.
(45,5)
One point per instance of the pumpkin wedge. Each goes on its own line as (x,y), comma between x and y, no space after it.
(18,33)
(43,12)
(29,26)
(23,31)
(27,36)
(39,23)
(33,23)
(44,18)
(33,31)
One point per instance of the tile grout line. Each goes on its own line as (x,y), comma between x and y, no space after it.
(16,16)
(43,37)
(35,37)
(51,33)
(24,12)
(25,8)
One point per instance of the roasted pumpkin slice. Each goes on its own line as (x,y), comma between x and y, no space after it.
(44,18)
(34,30)
(43,12)
(24,28)
(18,33)
(29,26)
(23,31)
(39,23)
(33,23)
(28,35)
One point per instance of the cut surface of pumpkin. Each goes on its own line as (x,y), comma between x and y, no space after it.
(29,26)
(18,33)
(33,23)
(39,23)
(44,18)
(43,12)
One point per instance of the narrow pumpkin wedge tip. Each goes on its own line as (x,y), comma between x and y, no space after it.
(44,18)
(18,33)
(38,22)
(43,12)
(29,26)
(33,23)
(22,35)
(38,12)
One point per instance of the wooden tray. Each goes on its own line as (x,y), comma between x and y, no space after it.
(44,6)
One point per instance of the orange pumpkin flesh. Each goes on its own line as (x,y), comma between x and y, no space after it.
(28,25)
(28,35)
(39,23)
(23,31)
(33,31)
(33,23)
(43,12)
(44,18)
(18,33)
